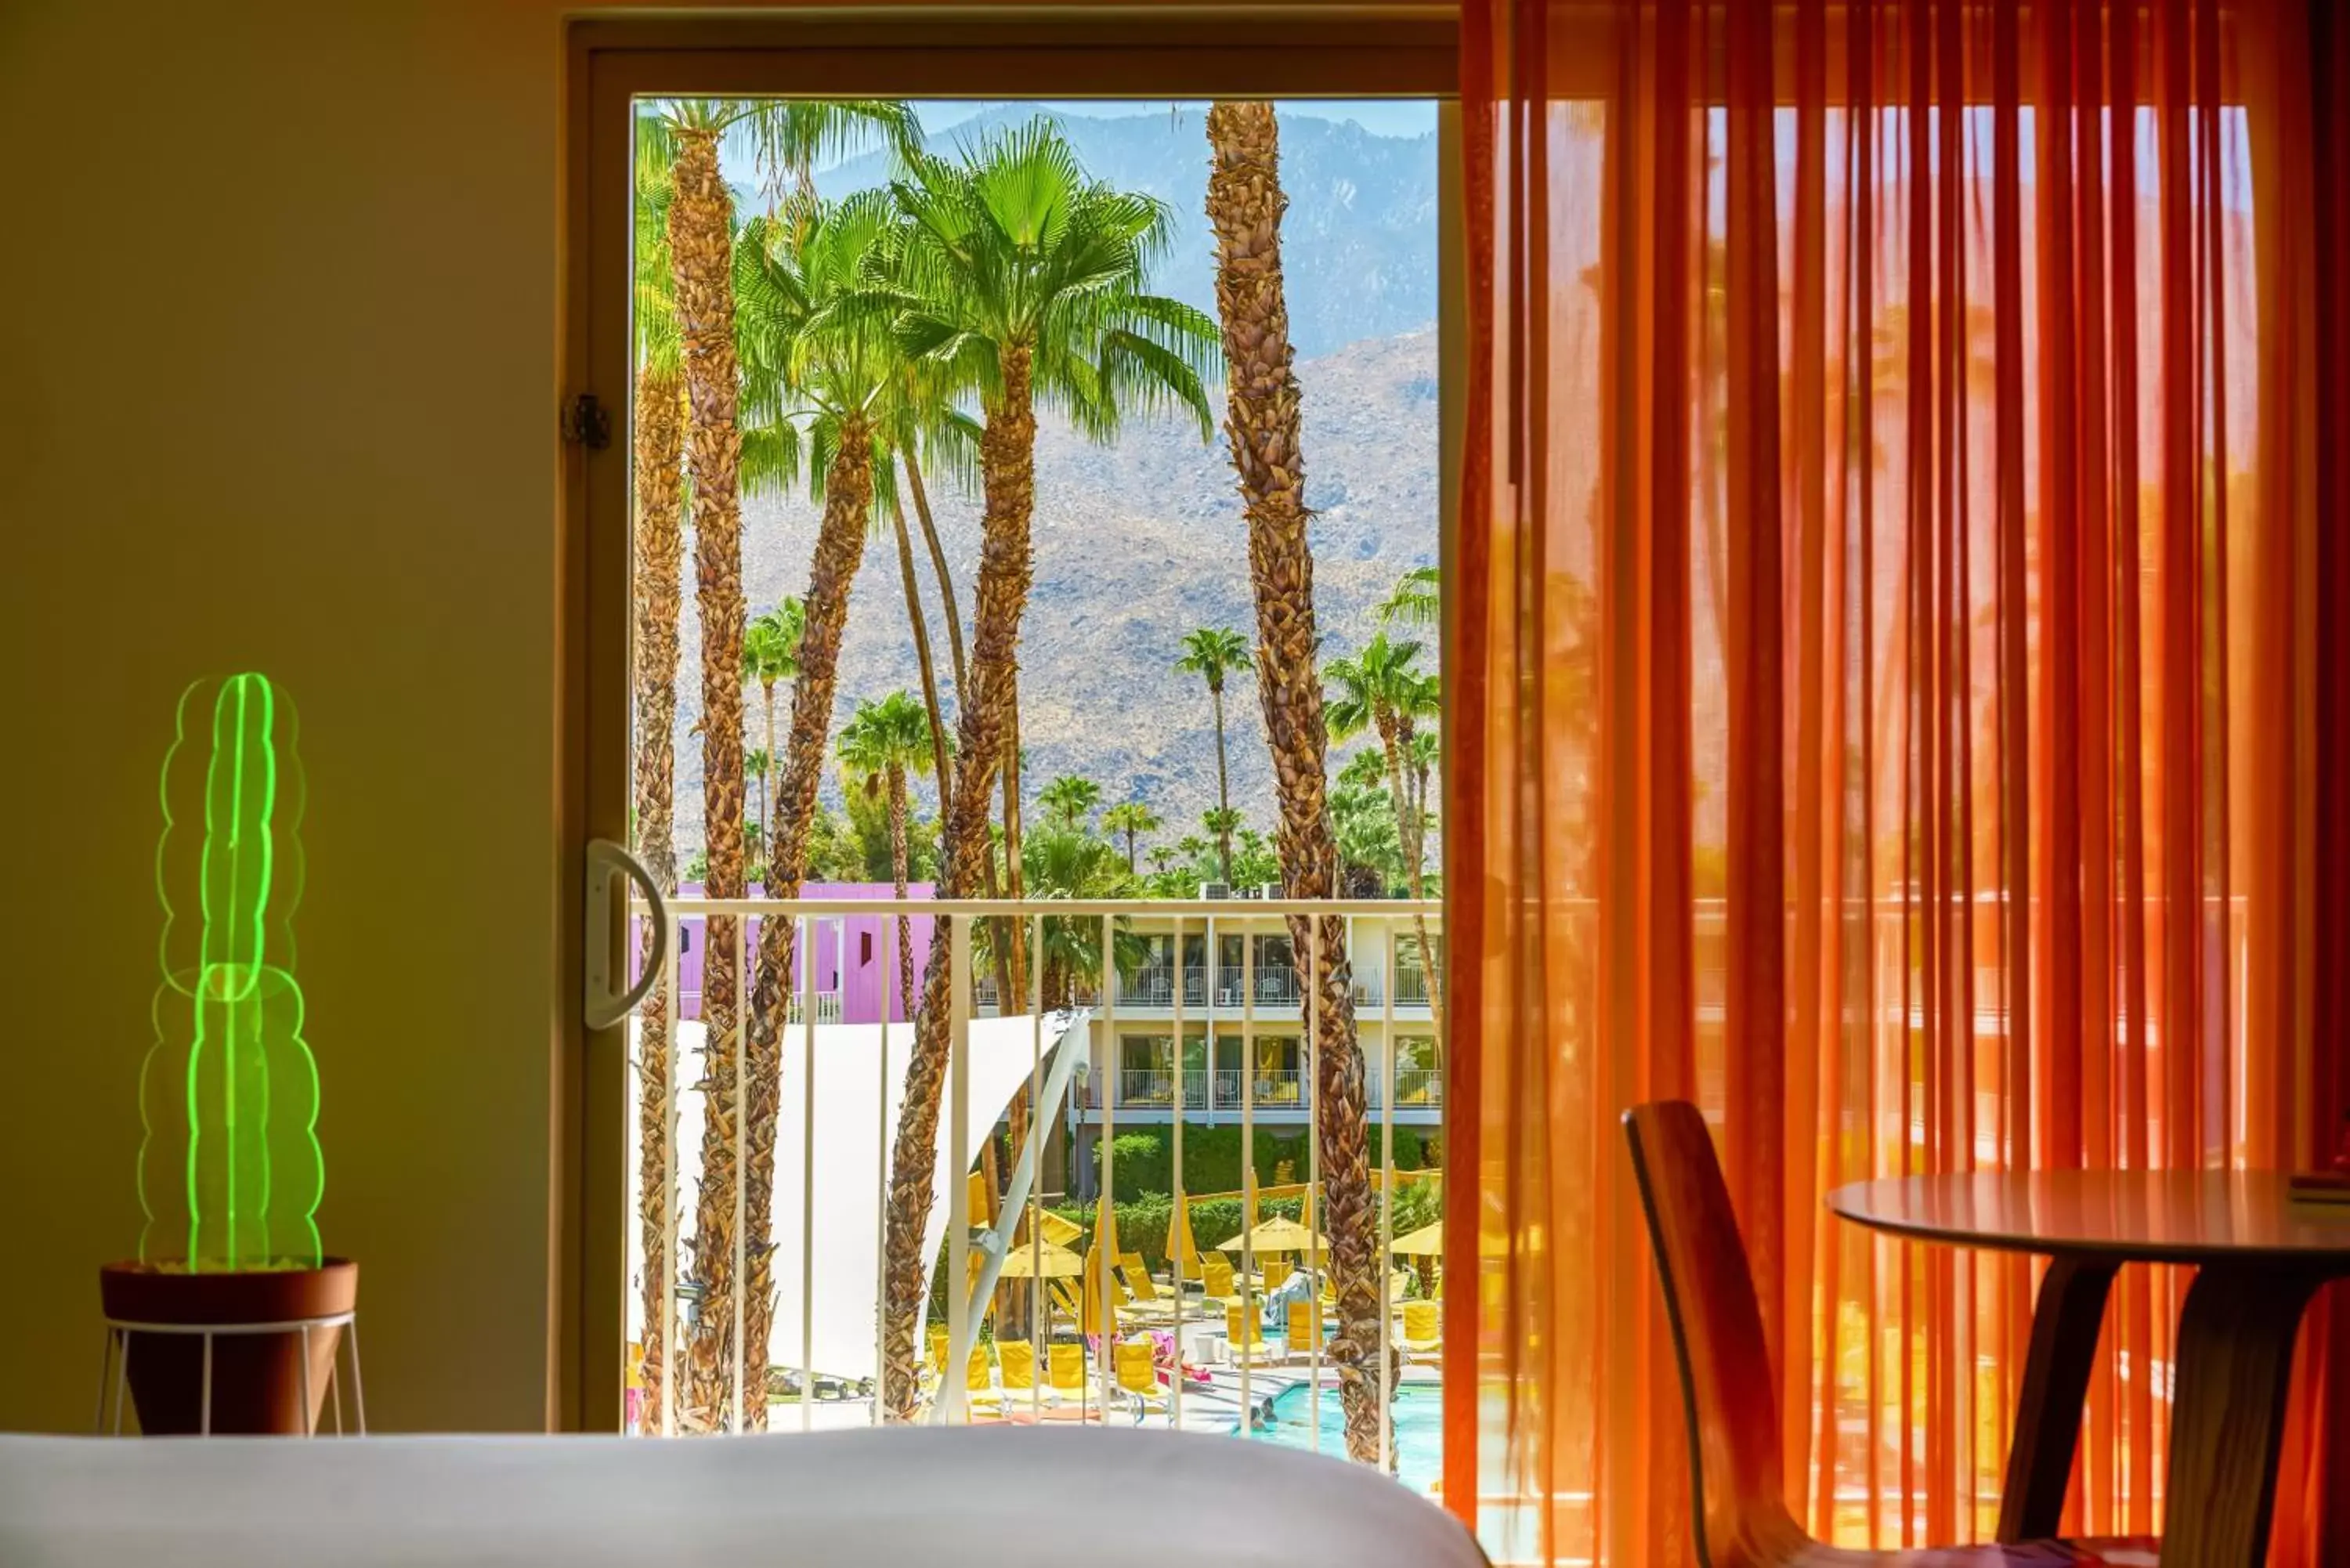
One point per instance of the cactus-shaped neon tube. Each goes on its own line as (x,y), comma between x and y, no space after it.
(229,1171)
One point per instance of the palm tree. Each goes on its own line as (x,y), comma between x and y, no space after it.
(1262,424)
(1067,860)
(1363,820)
(771,653)
(700,237)
(700,247)
(1133,819)
(1421,754)
(1030,281)
(658,426)
(757,764)
(820,363)
(1223,822)
(1383,689)
(883,742)
(1415,600)
(1211,652)
(1068,799)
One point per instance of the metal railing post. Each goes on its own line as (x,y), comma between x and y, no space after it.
(1248,1174)
(668,1326)
(1386,1213)
(807,1184)
(952,1380)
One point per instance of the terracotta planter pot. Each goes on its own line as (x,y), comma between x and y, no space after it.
(257,1377)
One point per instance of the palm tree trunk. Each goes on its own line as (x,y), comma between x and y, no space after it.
(920,623)
(898,880)
(1014,876)
(1224,788)
(768,782)
(1244,205)
(832,569)
(660,555)
(1395,736)
(702,263)
(939,566)
(947,603)
(1008,473)
(1130,851)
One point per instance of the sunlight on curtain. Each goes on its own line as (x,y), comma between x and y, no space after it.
(1884,643)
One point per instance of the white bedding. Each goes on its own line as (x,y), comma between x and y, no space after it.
(976,1498)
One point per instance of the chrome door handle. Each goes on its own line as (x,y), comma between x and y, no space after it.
(600,1005)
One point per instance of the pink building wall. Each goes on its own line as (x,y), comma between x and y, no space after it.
(855,954)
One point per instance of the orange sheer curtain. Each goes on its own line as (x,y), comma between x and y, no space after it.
(1887,673)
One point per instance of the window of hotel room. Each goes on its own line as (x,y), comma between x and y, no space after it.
(1380,57)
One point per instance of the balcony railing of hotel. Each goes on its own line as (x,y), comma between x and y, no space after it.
(819,1159)
(1273,1088)
(828,1007)
(1277,986)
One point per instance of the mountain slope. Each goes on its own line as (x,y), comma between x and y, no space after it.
(1135,544)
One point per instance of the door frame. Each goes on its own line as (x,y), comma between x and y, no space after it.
(1188,52)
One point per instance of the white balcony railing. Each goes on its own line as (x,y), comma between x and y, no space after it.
(831,1147)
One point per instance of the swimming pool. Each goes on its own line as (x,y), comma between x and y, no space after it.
(1418,1429)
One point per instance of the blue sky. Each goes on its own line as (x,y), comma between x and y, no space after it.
(1384,117)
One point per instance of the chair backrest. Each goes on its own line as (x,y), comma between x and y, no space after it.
(937,1341)
(1725,1366)
(1216,1275)
(1241,1326)
(976,1373)
(1064,1366)
(1304,1322)
(1017,1358)
(1422,1321)
(1276,1273)
(1137,1276)
(1136,1362)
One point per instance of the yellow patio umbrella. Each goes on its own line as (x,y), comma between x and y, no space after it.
(1276,1235)
(1106,1230)
(1180,1245)
(1427,1241)
(1058,1263)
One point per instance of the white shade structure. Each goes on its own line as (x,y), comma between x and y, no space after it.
(857,1095)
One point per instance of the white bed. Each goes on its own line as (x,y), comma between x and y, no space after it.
(980,1497)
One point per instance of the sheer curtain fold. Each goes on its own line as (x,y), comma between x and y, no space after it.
(1893,704)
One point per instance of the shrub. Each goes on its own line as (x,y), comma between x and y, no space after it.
(1145,1157)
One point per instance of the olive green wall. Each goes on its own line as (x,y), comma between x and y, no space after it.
(278,372)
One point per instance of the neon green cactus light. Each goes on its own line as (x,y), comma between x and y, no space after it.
(229,1172)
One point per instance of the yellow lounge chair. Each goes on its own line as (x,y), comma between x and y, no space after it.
(1244,1333)
(1135,1364)
(1276,1272)
(934,1359)
(1138,1277)
(1216,1279)
(1015,1364)
(1064,1373)
(979,1382)
(1423,1328)
(1305,1328)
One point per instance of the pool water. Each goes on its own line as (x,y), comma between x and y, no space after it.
(1418,1429)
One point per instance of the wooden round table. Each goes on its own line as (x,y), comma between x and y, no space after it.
(2257,1258)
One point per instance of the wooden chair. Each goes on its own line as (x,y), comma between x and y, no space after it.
(1737,1487)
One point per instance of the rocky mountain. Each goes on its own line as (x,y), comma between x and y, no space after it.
(1136,544)
(1358,241)
(1139,541)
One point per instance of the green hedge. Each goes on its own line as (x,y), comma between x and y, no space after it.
(1145,1157)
